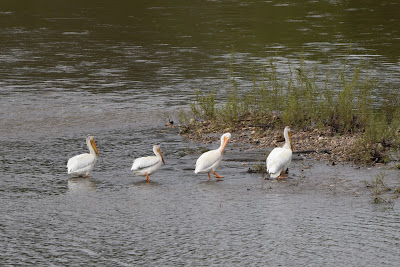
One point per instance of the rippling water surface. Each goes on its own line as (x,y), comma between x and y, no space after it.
(119,70)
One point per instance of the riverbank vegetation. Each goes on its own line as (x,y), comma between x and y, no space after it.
(337,114)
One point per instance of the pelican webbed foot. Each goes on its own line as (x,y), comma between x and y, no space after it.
(217,176)
(282,176)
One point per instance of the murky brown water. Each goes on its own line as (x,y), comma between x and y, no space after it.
(114,70)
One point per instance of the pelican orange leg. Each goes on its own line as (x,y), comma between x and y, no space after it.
(216,175)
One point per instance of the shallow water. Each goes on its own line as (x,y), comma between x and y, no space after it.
(323,215)
(114,71)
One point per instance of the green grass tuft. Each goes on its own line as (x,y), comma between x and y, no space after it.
(341,101)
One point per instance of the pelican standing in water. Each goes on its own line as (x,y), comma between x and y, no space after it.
(210,160)
(148,165)
(280,157)
(82,164)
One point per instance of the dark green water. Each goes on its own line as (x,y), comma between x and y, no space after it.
(114,69)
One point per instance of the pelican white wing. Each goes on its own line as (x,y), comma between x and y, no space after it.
(145,162)
(81,164)
(279,158)
(278,161)
(208,161)
(148,165)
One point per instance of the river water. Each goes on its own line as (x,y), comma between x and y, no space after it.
(119,70)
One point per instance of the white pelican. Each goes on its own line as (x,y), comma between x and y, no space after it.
(148,165)
(280,157)
(82,164)
(210,160)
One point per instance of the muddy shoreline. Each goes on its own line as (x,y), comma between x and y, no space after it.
(322,161)
(317,144)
